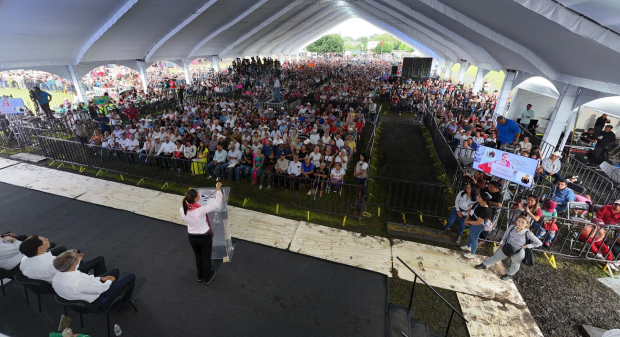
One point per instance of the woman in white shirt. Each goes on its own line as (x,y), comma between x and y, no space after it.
(199,229)
(336,177)
(342,159)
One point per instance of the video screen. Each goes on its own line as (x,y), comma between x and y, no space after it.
(505,165)
(11,105)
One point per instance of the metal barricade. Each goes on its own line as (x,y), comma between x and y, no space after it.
(448,160)
(571,239)
(419,197)
(598,187)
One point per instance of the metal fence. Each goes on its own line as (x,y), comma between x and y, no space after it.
(446,156)
(575,236)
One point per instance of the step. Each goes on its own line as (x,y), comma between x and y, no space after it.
(399,319)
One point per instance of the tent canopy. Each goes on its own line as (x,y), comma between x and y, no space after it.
(544,37)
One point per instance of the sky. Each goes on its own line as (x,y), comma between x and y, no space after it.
(355,28)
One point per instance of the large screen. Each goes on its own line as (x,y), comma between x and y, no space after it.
(11,105)
(505,165)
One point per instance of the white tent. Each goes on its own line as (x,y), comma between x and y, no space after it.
(539,92)
(536,36)
(592,110)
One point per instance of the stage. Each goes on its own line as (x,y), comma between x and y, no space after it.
(263,292)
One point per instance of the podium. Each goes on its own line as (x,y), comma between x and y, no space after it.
(222,242)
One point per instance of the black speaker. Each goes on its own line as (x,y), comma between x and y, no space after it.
(394,70)
(407,67)
(417,66)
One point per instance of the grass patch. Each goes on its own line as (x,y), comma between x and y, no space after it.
(57,97)
(423,300)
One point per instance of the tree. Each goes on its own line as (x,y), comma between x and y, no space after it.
(404,47)
(364,41)
(328,43)
(387,47)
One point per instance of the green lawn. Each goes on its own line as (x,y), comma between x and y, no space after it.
(57,97)
(495,78)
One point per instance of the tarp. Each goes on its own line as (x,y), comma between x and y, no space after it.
(536,36)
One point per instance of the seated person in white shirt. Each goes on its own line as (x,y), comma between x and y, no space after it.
(37,264)
(294,171)
(10,255)
(72,284)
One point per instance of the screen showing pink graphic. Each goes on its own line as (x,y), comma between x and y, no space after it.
(11,105)
(505,165)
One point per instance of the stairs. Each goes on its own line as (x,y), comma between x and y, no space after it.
(402,325)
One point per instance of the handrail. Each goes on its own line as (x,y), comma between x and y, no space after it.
(436,293)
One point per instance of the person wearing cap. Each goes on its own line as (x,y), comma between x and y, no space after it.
(610,214)
(550,167)
(563,195)
(605,139)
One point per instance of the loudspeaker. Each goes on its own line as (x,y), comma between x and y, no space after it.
(417,66)
(394,70)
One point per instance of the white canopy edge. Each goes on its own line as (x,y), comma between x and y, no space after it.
(178,28)
(261,26)
(104,29)
(541,65)
(225,27)
(493,63)
(573,22)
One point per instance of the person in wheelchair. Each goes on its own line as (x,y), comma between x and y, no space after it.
(321,174)
(336,178)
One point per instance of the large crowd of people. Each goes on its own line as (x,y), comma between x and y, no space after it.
(306,146)
(225,131)
(466,121)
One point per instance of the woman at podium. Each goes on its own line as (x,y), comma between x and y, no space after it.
(199,229)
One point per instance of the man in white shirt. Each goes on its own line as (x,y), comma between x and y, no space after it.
(219,158)
(131,147)
(294,171)
(234,156)
(314,137)
(37,264)
(339,141)
(165,151)
(71,284)
(10,256)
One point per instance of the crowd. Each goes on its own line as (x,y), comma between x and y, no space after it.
(304,146)
(466,121)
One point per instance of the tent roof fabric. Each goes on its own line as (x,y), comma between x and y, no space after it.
(551,38)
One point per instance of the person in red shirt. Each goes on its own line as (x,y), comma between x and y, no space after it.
(610,214)
(131,112)
(333,128)
(359,125)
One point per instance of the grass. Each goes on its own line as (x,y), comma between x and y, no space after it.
(57,97)
(495,78)
(570,274)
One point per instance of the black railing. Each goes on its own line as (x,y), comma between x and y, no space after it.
(454,310)
(443,150)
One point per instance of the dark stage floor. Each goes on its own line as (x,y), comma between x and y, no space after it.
(263,292)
